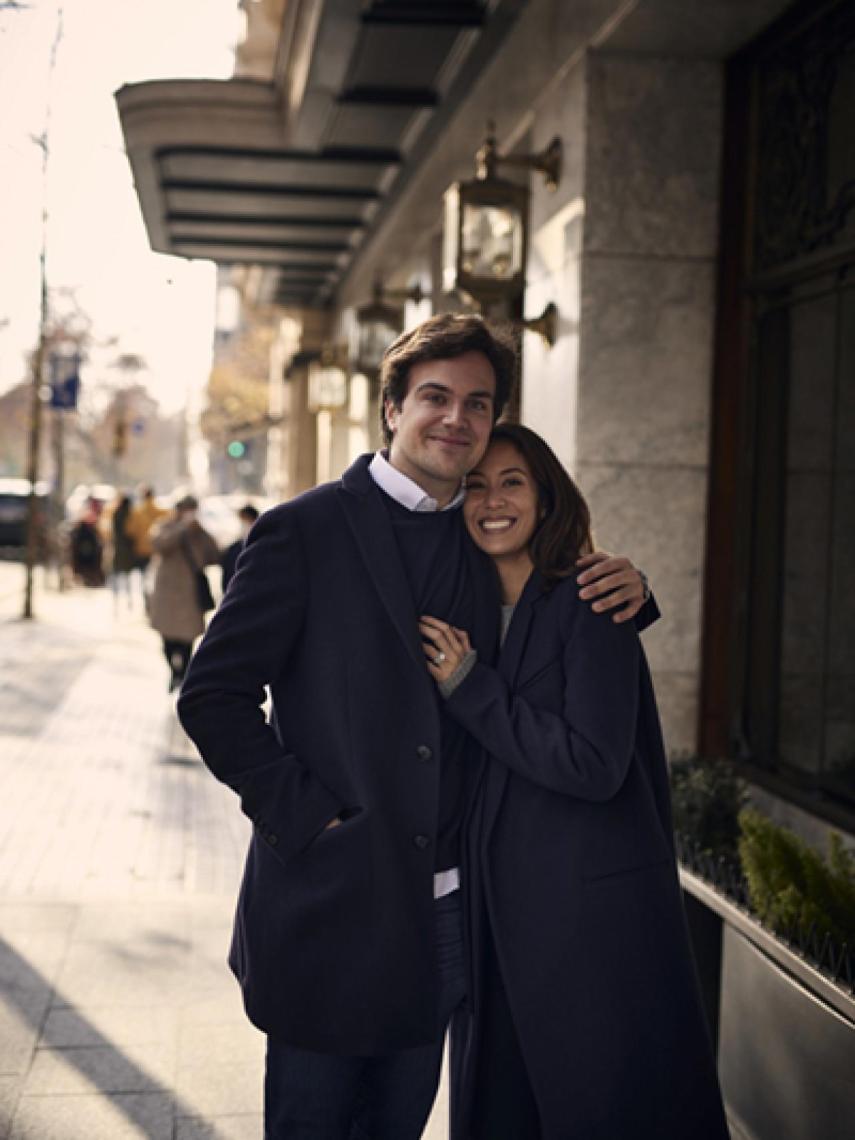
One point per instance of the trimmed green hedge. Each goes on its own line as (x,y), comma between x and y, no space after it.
(706,797)
(792,885)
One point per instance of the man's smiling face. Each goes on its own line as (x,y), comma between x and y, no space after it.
(443,425)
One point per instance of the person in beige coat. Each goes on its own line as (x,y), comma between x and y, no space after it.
(180,546)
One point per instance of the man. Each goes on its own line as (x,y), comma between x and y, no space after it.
(228,562)
(141,522)
(348,940)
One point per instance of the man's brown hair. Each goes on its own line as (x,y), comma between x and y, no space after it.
(444,337)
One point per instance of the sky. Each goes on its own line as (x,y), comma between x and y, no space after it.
(158,307)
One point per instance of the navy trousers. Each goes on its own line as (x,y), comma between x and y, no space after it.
(320,1096)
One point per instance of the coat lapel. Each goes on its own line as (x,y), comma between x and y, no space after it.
(511,657)
(375,539)
(484,634)
(513,650)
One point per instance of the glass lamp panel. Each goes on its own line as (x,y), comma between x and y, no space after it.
(492,238)
(360,389)
(451,238)
(327,387)
(375,336)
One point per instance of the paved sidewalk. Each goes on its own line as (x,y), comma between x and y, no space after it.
(119,862)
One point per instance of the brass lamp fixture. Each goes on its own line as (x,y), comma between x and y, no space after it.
(327,380)
(485,236)
(378,323)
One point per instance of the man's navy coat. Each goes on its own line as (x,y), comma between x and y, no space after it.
(334,933)
(572,861)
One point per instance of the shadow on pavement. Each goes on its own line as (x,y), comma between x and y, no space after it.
(100,1062)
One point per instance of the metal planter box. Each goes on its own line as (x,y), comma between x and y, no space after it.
(784,1034)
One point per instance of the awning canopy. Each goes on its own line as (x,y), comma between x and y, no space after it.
(292,174)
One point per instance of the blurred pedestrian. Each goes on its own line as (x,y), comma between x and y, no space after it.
(143,518)
(247,515)
(181,548)
(141,521)
(114,524)
(87,548)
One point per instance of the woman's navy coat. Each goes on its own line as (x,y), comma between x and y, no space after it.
(572,849)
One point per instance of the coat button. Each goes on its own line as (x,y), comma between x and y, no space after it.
(424,753)
(272,839)
(421,841)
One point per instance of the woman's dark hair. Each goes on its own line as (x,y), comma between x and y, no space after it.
(444,337)
(563,533)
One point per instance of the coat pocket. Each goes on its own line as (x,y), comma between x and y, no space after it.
(350,818)
(626,872)
(539,672)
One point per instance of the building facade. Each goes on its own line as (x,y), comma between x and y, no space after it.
(696,249)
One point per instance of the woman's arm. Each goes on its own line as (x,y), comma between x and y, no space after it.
(584,749)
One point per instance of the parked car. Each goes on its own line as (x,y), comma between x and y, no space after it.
(14,495)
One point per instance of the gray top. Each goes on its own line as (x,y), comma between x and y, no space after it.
(463,670)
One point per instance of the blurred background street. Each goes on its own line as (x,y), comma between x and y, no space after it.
(119,863)
(217,216)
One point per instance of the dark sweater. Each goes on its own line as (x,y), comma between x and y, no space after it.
(431,544)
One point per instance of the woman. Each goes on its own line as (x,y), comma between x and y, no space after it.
(123,558)
(87,548)
(587,1023)
(181,548)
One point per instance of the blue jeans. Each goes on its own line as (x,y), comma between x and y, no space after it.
(320,1096)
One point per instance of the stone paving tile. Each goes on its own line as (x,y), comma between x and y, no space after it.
(31,960)
(138,923)
(223,1008)
(211,1089)
(248,1126)
(122,1117)
(87,1069)
(37,917)
(121,1025)
(136,975)
(10,1092)
(221,1045)
(18,1037)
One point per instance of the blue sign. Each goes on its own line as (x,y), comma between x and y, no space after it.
(64,381)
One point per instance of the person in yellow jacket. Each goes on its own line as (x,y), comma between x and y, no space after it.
(139,526)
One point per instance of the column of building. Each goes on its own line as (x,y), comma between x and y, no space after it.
(627,252)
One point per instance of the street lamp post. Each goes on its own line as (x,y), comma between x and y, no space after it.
(35,432)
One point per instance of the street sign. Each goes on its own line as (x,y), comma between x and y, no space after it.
(64,380)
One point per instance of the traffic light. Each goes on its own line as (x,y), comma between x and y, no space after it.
(120,438)
(236,449)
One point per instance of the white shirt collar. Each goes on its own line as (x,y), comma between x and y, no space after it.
(404,490)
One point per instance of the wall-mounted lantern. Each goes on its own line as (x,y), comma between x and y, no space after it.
(378,324)
(327,381)
(485,234)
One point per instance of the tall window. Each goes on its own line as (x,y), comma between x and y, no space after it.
(780,666)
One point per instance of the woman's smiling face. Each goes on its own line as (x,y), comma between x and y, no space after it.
(502,507)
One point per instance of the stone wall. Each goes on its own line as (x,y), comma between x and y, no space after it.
(627,252)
